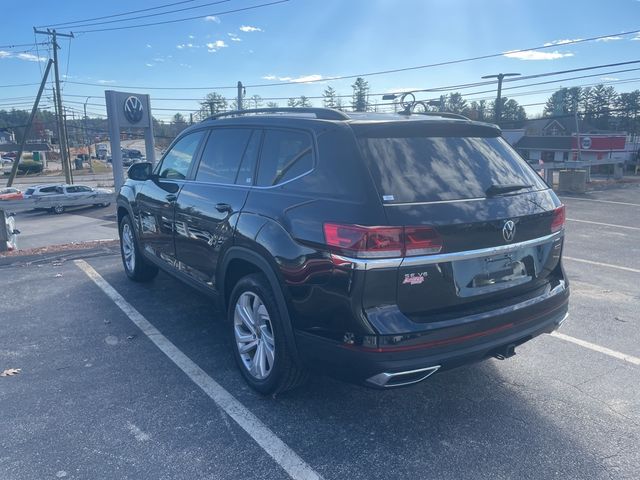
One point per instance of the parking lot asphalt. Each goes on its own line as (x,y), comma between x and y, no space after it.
(97,398)
(39,228)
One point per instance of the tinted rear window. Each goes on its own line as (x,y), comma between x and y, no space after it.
(430,169)
(29,191)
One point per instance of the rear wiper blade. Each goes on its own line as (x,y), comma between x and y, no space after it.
(494,190)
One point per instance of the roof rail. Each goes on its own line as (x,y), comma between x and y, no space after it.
(321,113)
(442,114)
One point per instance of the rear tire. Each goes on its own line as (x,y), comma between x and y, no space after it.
(137,268)
(258,339)
(58,209)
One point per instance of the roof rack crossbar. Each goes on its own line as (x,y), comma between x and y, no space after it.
(321,113)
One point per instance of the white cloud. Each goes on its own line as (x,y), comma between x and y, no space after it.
(214,46)
(191,37)
(234,37)
(30,57)
(158,59)
(637,37)
(609,39)
(149,45)
(180,47)
(249,28)
(307,78)
(106,82)
(302,79)
(562,42)
(609,79)
(211,18)
(148,64)
(4,54)
(535,55)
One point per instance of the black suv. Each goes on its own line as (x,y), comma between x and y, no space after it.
(378,248)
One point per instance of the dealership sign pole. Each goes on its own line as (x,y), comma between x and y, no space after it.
(128,110)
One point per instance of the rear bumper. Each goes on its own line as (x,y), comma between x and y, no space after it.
(418,355)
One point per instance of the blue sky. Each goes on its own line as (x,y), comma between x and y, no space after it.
(305,39)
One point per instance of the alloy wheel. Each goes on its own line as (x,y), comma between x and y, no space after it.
(253,332)
(128,248)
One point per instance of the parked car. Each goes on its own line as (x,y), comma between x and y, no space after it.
(66,196)
(10,193)
(41,190)
(9,223)
(377,248)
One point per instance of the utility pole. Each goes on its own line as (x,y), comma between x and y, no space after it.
(66,166)
(241,92)
(500,77)
(27,129)
(85,137)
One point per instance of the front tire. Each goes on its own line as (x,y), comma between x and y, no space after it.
(258,339)
(137,268)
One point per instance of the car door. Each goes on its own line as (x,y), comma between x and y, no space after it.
(207,208)
(155,203)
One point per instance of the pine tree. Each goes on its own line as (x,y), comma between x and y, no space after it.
(304,102)
(292,102)
(360,98)
(214,103)
(329,98)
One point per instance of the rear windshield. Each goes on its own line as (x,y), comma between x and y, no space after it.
(29,191)
(431,169)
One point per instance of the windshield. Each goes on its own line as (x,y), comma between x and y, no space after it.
(431,169)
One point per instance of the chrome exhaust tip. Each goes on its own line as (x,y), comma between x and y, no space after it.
(399,379)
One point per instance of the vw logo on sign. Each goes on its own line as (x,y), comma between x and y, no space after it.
(585,143)
(133,109)
(509,231)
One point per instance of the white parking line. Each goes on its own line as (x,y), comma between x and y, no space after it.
(269,441)
(603,201)
(597,348)
(600,264)
(603,224)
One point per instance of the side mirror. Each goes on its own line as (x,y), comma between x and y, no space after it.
(140,171)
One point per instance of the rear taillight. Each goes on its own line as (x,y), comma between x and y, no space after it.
(381,242)
(558,219)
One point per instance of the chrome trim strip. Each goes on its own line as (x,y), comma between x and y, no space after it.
(382,379)
(482,252)
(459,200)
(377,263)
(436,202)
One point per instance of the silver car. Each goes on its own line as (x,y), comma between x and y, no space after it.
(67,196)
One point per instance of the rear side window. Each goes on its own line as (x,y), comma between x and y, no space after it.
(49,189)
(177,161)
(29,191)
(428,169)
(285,155)
(222,155)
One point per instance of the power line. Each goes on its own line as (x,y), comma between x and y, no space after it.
(150,15)
(20,45)
(216,14)
(383,72)
(117,14)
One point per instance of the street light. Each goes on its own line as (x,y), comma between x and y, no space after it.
(500,77)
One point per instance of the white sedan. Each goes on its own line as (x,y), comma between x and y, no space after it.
(75,196)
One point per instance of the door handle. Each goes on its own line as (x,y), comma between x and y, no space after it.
(171,197)
(223,207)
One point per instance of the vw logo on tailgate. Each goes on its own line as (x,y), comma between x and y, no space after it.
(133,109)
(509,231)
